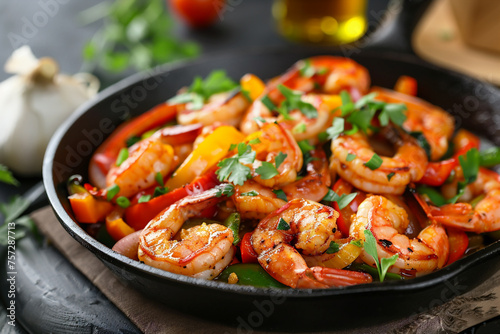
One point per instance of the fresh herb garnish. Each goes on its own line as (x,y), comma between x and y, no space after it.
(225,190)
(357,243)
(305,147)
(299,128)
(123,202)
(374,162)
(336,129)
(307,70)
(266,170)
(269,105)
(132,140)
(6,176)
(122,156)
(350,157)
(283,225)
(333,248)
(293,100)
(279,159)
(342,200)
(250,193)
(159,179)
(232,170)
(160,191)
(112,192)
(280,194)
(390,175)
(422,141)
(253,141)
(144,199)
(370,246)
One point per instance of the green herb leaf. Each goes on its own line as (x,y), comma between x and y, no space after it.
(374,162)
(357,243)
(361,118)
(132,140)
(251,193)
(350,157)
(342,201)
(112,192)
(333,248)
(283,225)
(305,147)
(260,119)
(395,111)
(123,202)
(14,208)
(254,141)
(370,246)
(299,128)
(422,141)
(347,104)
(19,226)
(336,129)
(390,175)
(122,156)
(470,165)
(307,70)
(269,105)
(160,191)
(279,159)
(293,100)
(144,199)
(233,223)
(365,100)
(434,195)
(216,82)
(266,170)
(231,170)
(159,179)
(245,153)
(280,194)
(225,190)
(6,176)
(323,136)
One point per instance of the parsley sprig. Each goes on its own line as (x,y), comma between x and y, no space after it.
(342,200)
(384,264)
(201,90)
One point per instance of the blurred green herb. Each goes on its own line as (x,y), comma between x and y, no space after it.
(135,33)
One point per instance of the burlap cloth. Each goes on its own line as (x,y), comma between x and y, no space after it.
(152,317)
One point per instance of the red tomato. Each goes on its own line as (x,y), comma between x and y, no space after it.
(198,13)
(458,244)
(248,255)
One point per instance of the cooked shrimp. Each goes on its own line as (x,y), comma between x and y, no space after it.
(301,126)
(274,139)
(225,107)
(388,222)
(331,76)
(313,186)
(147,158)
(312,227)
(202,251)
(407,165)
(436,124)
(258,206)
(485,216)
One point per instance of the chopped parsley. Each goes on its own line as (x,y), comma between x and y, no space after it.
(336,129)
(279,159)
(201,90)
(283,225)
(268,103)
(232,170)
(342,200)
(371,248)
(6,176)
(144,199)
(132,140)
(299,128)
(160,191)
(357,243)
(251,193)
(374,162)
(225,190)
(293,100)
(112,192)
(390,175)
(350,157)
(122,156)
(280,194)
(159,179)
(266,170)
(333,248)
(422,141)
(307,70)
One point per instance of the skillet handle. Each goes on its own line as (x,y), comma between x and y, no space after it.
(395,34)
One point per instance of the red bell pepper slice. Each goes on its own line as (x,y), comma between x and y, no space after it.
(459,241)
(248,254)
(139,215)
(438,172)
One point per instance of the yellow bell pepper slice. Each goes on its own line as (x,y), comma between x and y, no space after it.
(116,226)
(210,151)
(87,209)
(253,85)
(346,255)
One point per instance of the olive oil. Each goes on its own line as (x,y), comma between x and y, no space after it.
(321,21)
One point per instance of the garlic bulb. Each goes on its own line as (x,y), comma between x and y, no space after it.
(33,103)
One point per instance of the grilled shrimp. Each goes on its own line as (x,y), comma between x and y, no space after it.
(394,174)
(485,216)
(225,107)
(272,140)
(201,251)
(388,222)
(304,226)
(301,126)
(160,153)
(313,186)
(436,125)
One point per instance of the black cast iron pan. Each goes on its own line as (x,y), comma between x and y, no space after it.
(476,106)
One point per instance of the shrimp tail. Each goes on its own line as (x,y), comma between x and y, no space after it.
(339,277)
